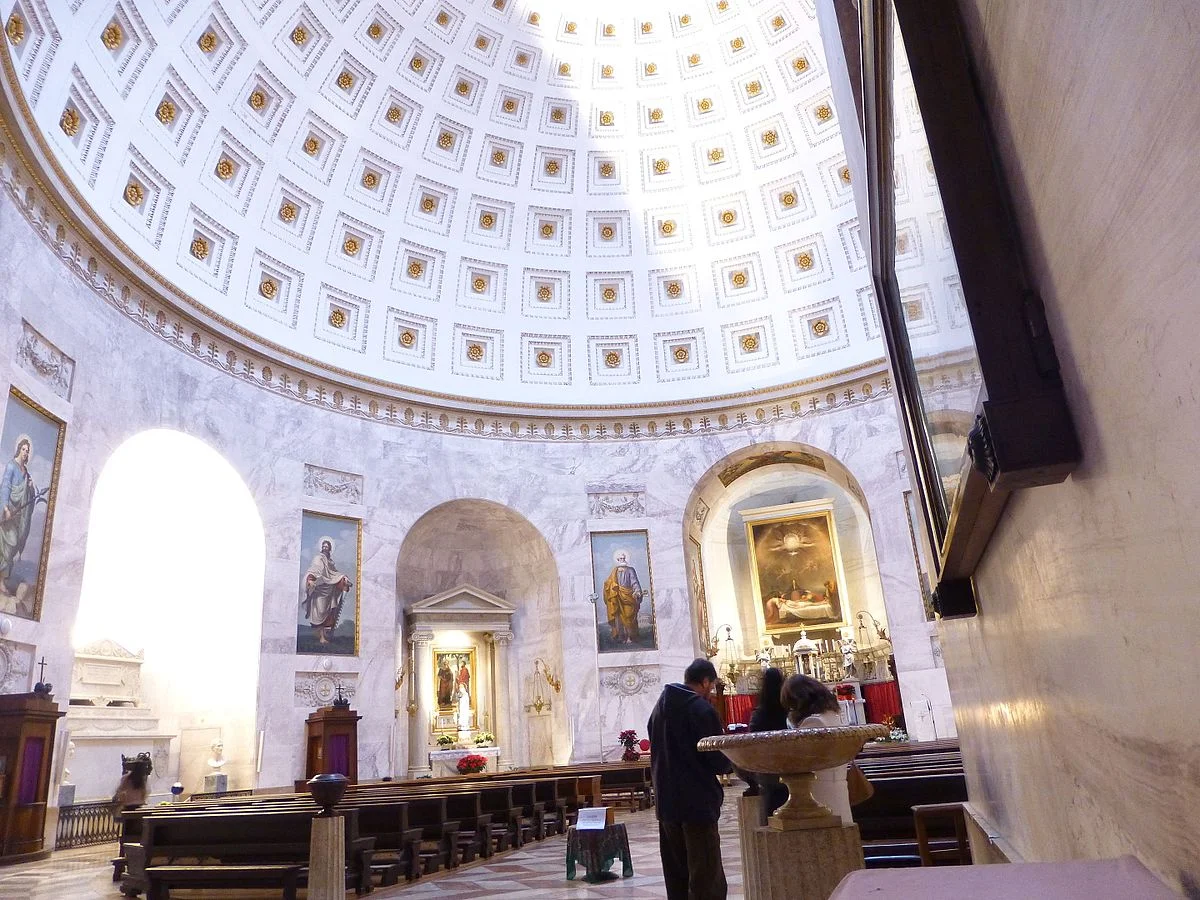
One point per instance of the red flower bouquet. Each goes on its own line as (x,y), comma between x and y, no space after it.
(628,740)
(472,764)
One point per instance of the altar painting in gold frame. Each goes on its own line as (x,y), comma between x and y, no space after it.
(796,570)
(454,674)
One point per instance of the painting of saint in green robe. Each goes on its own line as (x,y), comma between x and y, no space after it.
(32,444)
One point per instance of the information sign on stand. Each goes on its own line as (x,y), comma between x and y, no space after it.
(594,818)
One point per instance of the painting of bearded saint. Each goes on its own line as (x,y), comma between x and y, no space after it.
(32,442)
(624,601)
(329,576)
(797,572)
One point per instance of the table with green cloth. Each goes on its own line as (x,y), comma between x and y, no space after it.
(597,849)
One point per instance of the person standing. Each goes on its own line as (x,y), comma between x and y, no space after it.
(687,794)
(770,715)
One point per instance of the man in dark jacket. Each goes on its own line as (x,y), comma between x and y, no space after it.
(686,791)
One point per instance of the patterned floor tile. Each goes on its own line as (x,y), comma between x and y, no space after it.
(535,871)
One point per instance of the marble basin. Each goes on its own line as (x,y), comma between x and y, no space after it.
(795,756)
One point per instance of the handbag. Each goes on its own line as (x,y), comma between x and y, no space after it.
(858,785)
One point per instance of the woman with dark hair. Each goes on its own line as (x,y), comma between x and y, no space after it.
(811,704)
(769,715)
(133,789)
(806,698)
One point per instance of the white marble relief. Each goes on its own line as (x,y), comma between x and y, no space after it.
(45,362)
(16,662)
(332,484)
(317,689)
(630,680)
(610,502)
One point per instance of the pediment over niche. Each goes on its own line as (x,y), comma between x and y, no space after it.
(107,648)
(464,606)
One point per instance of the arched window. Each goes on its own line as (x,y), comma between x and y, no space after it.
(174,568)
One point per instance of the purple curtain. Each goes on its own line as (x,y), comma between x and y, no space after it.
(339,754)
(31,769)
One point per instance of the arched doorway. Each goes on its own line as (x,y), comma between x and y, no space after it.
(170,615)
(486,561)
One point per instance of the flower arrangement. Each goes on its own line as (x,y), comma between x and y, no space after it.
(446,740)
(896,732)
(472,764)
(628,740)
(484,738)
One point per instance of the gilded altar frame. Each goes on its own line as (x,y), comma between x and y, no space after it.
(798,564)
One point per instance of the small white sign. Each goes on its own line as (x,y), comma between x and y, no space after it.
(592,818)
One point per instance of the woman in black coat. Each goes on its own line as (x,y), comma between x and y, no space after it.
(770,715)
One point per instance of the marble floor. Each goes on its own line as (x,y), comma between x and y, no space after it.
(535,871)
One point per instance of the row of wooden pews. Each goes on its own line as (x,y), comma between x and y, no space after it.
(412,828)
(906,775)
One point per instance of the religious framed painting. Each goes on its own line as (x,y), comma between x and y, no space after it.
(795,567)
(330,575)
(454,685)
(33,440)
(624,594)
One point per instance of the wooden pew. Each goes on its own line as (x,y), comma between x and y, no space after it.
(902,781)
(236,838)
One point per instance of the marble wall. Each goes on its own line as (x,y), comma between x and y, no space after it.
(1075,686)
(293,456)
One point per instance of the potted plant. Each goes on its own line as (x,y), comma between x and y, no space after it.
(484,739)
(446,741)
(472,764)
(628,740)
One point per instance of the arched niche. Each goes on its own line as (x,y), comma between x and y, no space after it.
(477,553)
(173,587)
(772,474)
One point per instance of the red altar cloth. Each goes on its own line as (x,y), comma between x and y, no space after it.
(882,699)
(738,708)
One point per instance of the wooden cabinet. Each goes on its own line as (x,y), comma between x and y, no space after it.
(27,725)
(331,743)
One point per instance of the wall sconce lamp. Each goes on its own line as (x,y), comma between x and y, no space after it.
(714,643)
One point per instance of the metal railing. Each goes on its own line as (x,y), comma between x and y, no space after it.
(84,824)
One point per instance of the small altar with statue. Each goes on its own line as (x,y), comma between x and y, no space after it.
(459,685)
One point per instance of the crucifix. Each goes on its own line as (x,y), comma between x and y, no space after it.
(42,670)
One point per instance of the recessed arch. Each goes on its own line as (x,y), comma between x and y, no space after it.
(490,546)
(762,475)
(174,568)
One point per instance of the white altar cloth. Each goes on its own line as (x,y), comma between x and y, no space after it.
(445,762)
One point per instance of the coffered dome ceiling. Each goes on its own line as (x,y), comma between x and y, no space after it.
(499,200)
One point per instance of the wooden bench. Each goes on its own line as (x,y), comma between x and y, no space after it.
(160,879)
(238,838)
(627,785)
(885,821)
